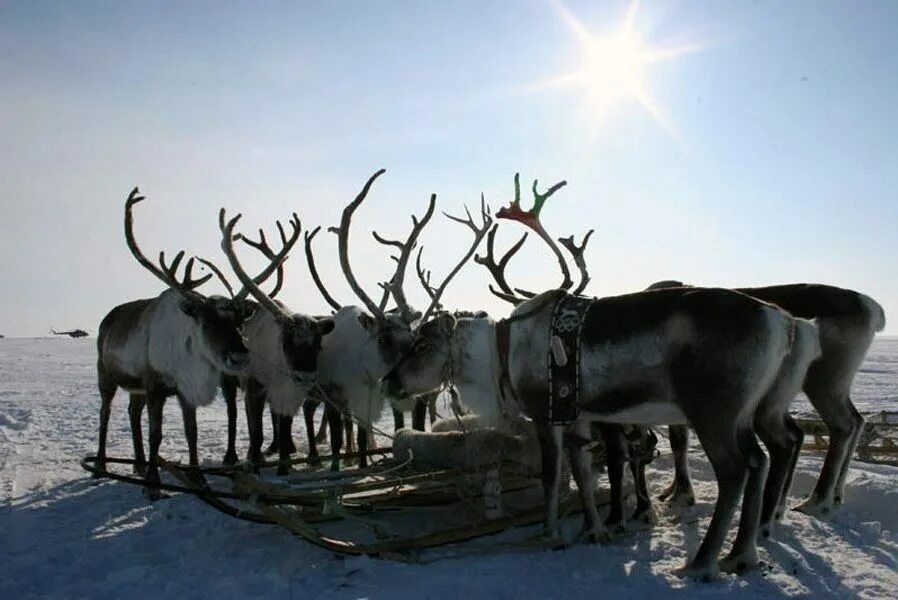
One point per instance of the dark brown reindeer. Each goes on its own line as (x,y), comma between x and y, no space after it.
(177,344)
(847,322)
(715,358)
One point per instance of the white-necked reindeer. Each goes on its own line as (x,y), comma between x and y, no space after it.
(364,346)
(847,321)
(715,358)
(283,348)
(178,343)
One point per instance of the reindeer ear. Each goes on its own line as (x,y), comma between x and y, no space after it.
(367,321)
(443,325)
(325,326)
(188,308)
(247,310)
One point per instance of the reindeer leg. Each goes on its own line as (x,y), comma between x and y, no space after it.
(308,414)
(107,393)
(136,403)
(834,412)
(797,437)
(858,422)
(783,448)
(419,415)
(350,440)
(188,413)
(275,434)
(581,465)
(731,468)
(286,447)
(362,441)
(550,441)
(229,391)
(254,402)
(155,404)
(644,512)
(679,492)
(615,446)
(744,554)
(335,424)
(432,408)
(321,436)
(398,420)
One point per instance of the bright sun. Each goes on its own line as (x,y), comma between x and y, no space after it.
(613,66)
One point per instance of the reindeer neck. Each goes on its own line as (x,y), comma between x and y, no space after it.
(476,367)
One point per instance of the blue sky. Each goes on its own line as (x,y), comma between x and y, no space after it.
(779,161)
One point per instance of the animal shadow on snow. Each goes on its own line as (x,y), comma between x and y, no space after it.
(108,532)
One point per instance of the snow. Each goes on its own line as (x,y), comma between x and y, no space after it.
(64,535)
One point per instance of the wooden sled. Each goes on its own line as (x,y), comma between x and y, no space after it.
(878,442)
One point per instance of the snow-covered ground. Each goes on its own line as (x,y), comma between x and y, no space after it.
(64,535)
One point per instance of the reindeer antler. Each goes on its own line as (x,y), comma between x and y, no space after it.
(343,244)
(275,260)
(227,245)
(531,220)
(497,269)
(313,270)
(167,274)
(577,252)
(479,233)
(424,278)
(394,285)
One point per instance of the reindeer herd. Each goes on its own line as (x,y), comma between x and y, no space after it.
(725,363)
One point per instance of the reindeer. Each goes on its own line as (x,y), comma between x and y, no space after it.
(847,321)
(283,349)
(365,345)
(715,358)
(388,330)
(175,344)
(246,307)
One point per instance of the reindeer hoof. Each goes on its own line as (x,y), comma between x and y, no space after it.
(271,449)
(765,530)
(703,574)
(747,561)
(645,517)
(814,507)
(153,494)
(676,495)
(335,464)
(230,458)
(313,460)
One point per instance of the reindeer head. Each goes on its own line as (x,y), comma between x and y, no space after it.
(300,335)
(217,323)
(301,344)
(425,367)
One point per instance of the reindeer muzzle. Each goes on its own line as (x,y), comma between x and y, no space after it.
(305,377)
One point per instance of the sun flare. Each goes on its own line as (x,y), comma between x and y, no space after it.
(613,66)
